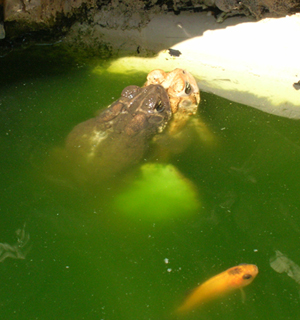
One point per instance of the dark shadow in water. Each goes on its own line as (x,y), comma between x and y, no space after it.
(38,61)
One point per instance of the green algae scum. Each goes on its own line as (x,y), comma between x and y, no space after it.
(130,248)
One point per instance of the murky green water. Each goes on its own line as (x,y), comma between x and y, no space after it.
(86,260)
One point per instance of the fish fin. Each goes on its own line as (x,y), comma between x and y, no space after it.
(243,295)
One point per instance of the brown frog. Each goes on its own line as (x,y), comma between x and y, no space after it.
(184,97)
(183,93)
(119,136)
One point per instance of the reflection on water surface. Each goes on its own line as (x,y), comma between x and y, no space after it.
(90,261)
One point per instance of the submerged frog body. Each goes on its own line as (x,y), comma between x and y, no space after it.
(119,136)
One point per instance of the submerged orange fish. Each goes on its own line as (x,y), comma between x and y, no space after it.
(227,281)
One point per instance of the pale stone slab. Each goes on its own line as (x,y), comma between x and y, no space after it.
(252,62)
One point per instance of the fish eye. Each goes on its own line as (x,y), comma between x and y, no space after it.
(159,107)
(188,88)
(247,276)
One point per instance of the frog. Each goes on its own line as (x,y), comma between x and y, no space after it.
(184,97)
(118,137)
(183,93)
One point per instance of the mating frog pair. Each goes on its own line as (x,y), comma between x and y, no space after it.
(119,137)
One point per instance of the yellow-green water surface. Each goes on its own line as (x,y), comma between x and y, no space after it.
(70,252)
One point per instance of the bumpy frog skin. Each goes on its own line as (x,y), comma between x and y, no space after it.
(184,97)
(183,93)
(119,136)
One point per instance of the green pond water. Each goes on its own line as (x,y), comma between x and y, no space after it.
(68,252)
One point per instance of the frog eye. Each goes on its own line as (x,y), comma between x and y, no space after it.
(247,276)
(188,88)
(159,107)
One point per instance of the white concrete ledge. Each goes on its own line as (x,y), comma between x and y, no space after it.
(252,62)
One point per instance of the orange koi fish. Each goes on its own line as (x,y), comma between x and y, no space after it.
(227,281)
